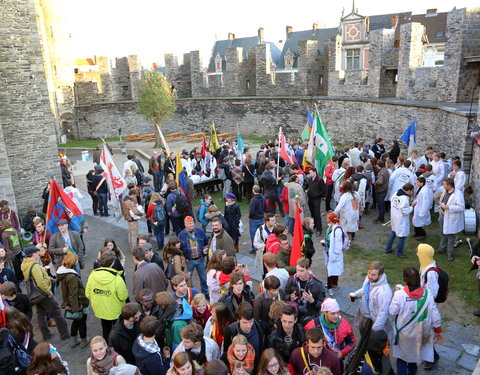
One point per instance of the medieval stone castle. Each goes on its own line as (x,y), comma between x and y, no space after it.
(370,75)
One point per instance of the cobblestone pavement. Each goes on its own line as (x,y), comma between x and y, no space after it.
(455,356)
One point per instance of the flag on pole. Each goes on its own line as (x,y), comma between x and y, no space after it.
(163,140)
(475,134)
(204,147)
(319,150)
(214,144)
(409,136)
(286,153)
(298,237)
(308,126)
(60,206)
(116,183)
(181,178)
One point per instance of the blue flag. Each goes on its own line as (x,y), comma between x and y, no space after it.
(310,119)
(411,131)
(241,145)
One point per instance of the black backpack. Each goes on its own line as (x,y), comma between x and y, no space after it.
(13,357)
(181,204)
(443,284)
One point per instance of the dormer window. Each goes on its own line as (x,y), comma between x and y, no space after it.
(218,63)
(288,60)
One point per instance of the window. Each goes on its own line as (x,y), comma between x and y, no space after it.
(364,81)
(125,91)
(248,83)
(353,59)
(439,34)
(320,80)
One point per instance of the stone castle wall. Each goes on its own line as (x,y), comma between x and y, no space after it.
(345,119)
(28,143)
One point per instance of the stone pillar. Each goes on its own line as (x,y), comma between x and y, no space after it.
(475,172)
(105,70)
(410,57)
(197,75)
(263,72)
(135,68)
(28,144)
(307,76)
(171,65)
(233,78)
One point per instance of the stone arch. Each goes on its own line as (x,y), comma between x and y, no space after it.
(67,125)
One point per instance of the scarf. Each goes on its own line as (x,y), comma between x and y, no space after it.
(328,325)
(248,362)
(103,366)
(202,318)
(201,357)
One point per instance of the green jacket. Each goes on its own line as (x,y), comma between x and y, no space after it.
(73,291)
(107,292)
(283,261)
(38,273)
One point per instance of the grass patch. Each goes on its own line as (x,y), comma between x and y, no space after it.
(217,198)
(88,143)
(364,250)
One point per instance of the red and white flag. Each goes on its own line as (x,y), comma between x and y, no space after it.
(116,183)
(286,152)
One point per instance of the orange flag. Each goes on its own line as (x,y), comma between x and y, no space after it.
(298,239)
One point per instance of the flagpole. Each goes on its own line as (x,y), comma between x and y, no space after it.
(279,149)
(49,202)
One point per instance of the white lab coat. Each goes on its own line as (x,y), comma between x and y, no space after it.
(348,210)
(337,177)
(380,297)
(127,166)
(430,181)
(334,259)
(454,216)
(421,212)
(400,215)
(415,164)
(432,279)
(438,170)
(415,343)
(213,164)
(186,164)
(459,178)
(354,156)
(398,178)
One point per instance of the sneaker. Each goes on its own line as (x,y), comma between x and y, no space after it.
(477,313)
(51,323)
(377,222)
(388,251)
(402,256)
(451,258)
(253,251)
(457,244)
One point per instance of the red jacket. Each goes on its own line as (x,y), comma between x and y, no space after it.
(272,245)
(343,335)
(329,173)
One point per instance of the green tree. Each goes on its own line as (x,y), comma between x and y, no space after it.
(156,101)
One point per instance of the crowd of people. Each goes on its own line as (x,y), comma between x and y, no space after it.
(290,323)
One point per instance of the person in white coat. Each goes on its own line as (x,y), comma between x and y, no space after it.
(430,180)
(438,169)
(417,323)
(209,163)
(414,160)
(337,178)
(421,211)
(372,313)
(400,176)
(459,176)
(333,251)
(348,209)
(400,219)
(452,216)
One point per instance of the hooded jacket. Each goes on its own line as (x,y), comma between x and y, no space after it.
(228,299)
(283,260)
(38,273)
(327,359)
(107,292)
(314,286)
(73,291)
(258,207)
(276,340)
(121,339)
(379,300)
(150,362)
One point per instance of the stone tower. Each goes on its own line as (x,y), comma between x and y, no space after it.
(58,61)
(28,143)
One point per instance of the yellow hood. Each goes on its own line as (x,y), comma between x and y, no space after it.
(425,255)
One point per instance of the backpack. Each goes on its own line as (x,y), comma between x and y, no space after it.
(345,240)
(181,204)
(14,358)
(221,174)
(159,214)
(14,237)
(443,284)
(197,214)
(170,271)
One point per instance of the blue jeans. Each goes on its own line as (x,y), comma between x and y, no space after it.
(102,203)
(406,368)
(157,180)
(199,264)
(254,224)
(159,234)
(400,244)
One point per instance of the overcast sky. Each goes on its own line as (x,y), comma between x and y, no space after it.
(151,28)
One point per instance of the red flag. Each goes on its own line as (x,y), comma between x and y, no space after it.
(204,147)
(60,206)
(286,152)
(298,238)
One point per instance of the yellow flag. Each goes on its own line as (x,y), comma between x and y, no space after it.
(214,144)
(178,168)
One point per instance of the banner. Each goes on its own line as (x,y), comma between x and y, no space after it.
(60,206)
(116,183)
(214,144)
(286,152)
(298,237)
(163,140)
(409,136)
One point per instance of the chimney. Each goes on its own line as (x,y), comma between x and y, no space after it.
(231,36)
(431,11)
(393,21)
(315,27)
(260,35)
(289,31)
